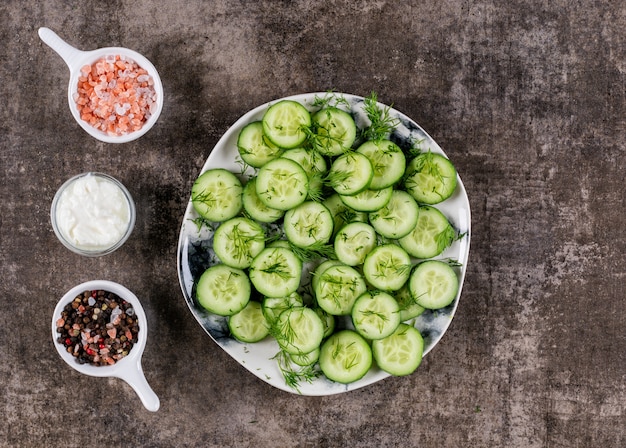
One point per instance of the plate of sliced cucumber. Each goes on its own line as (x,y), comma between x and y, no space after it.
(325,243)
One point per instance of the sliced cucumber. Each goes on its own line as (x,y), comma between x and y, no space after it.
(282,184)
(285,123)
(398,218)
(313,164)
(432,234)
(409,308)
(335,129)
(350,173)
(216,195)
(345,357)
(434,284)
(387,267)
(338,288)
(375,315)
(255,207)
(400,353)
(431,178)
(319,270)
(223,290)
(388,161)
(237,241)
(298,330)
(327,319)
(274,306)
(308,224)
(306,359)
(368,200)
(254,148)
(276,272)
(249,324)
(353,242)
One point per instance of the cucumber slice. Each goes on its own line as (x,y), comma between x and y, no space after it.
(342,214)
(409,308)
(368,200)
(249,324)
(387,267)
(353,242)
(276,272)
(306,359)
(338,288)
(255,207)
(237,241)
(313,164)
(285,123)
(434,284)
(432,234)
(335,129)
(400,353)
(431,178)
(254,148)
(216,195)
(274,306)
(350,173)
(388,161)
(375,315)
(327,319)
(398,218)
(319,270)
(282,184)
(345,357)
(223,290)
(298,330)
(309,224)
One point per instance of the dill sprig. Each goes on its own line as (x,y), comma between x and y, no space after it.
(314,251)
(200,222)
(329,99)
(241,240)
(415,149)
(445,238)
(316,187)
(381,123)
(293,374)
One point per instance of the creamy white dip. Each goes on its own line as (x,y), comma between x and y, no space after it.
(92,213)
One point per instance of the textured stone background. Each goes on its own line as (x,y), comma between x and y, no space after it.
(526,97)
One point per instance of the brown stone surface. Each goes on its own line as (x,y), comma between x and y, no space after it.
(526,97)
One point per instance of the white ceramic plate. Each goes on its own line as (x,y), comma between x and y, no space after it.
(195,255)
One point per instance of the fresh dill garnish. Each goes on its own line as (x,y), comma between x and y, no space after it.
(445,238)
(200,222)
(294,375)
(381,123)
(243,166)
(314,251)
(451,261)
(415,149)
(329,99)
(323,137)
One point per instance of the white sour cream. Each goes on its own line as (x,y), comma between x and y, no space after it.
(92,212)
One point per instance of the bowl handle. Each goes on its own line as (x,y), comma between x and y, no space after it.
(68,53)
(137,380)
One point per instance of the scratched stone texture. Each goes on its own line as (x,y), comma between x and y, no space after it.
(526,97)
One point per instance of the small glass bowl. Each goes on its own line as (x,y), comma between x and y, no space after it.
(91,250)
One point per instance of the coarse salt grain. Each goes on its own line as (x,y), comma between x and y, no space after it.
(109,89)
